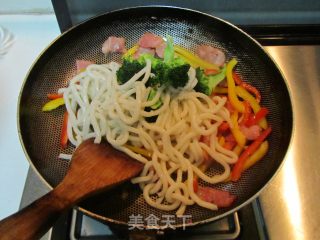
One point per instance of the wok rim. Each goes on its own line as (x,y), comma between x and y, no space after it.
(110,220)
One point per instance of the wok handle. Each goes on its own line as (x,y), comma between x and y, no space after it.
(34,220)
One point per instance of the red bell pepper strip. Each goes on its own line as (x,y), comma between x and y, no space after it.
(64,131)
(239,166)
(210,71)
(255,119)
(247,86)
(195,184)
(53,96)
(224,126)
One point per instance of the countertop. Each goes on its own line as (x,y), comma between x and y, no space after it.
(32,33)
(289,202)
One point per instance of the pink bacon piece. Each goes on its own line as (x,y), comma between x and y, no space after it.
(252,132)
(150,40)
(219,197)
(142,50)
(114,45)
(82,64)
(211,54)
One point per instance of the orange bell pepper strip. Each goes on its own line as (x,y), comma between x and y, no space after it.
(53,96)
(239,166)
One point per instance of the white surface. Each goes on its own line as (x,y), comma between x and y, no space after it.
(23,6)
(32,34)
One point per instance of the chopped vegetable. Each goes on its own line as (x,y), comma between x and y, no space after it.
(53,96)
(206,83)
(128,69)
(220,90)
(131,51)
(257,155)
(236,103)
(209,71)
(247,86)
(246,114)
(168,72)
(195,184)
(198,62)
(239,166)
(245,95)
(142,151)
(64,131)
(238,135)
(53,104)
(169,50)
(223,127)
(255,119)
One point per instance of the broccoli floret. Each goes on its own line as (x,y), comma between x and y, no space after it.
(206,83)
(169,71)
(177,73)
(129,68)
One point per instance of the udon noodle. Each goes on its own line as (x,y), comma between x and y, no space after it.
(99,108)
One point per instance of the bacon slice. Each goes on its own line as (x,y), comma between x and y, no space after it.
(142,50)
(219,197)
(82,64)
(252,132)
(150,40)
(114,45)
(211,54)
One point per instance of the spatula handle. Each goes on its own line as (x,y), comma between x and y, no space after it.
(34,220)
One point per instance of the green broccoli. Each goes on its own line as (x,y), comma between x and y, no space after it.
(177,72)
(206,83)
(169,71)
(129,68)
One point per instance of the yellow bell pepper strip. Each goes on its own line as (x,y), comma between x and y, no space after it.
(254,158)
(221,141)
(257,155)
(239,166)
(53,104)
(195,59)
(131,51)
(245,95)
(233,98)
(247,86)
(237,150)
(238,135)
(192,63)
(144,152)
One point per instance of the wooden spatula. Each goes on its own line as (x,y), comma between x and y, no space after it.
(94,168)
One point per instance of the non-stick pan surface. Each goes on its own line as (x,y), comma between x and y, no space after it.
(40,132)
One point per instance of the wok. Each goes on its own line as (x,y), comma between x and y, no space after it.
(40,132)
